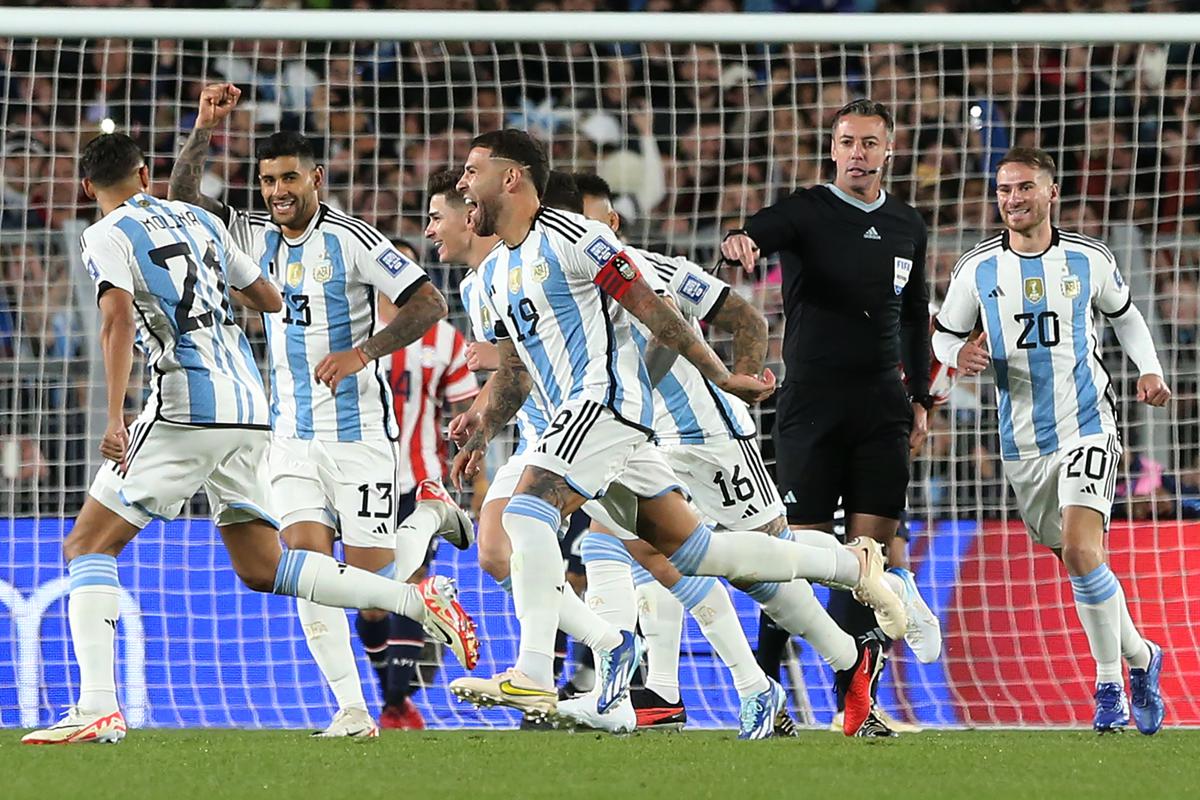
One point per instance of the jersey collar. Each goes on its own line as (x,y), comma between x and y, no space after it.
(854,201)
(313,223)
(1053,244)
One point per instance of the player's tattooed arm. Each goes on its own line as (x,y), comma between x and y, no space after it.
(415,316)
(216,101)
(748,327)
(506,392)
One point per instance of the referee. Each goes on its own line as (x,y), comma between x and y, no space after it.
(857,308)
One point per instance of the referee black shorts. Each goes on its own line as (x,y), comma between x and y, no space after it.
(845,440)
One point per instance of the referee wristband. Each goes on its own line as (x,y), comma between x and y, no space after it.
(925,401)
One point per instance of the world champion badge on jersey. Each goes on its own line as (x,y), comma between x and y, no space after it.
(1034,290)
(295,273)
(901,271)
(323,271)
(1071,286)
(514,280)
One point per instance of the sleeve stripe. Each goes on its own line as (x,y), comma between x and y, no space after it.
(356,234)
(718,303)
(350,222)
(554,226)
(410,290)
(1121,310)
(937,323)
(565,221)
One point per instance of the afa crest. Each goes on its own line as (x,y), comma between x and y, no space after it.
(323,271)
(1071,286)
(1035,290)
(540,270)
(295,273)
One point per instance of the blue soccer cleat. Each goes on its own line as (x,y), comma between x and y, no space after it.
(760,712)
(1148,709)
(1112,709)
(615,671)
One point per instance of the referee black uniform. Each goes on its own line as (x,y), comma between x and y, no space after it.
(857,308)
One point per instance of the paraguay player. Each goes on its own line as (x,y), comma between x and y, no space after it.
(333,458)
(565,285)
(1036,288)
(163,271)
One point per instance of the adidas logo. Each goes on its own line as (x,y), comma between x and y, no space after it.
(997,292)
(381,529)
(1090,489)
(872,234)
(790,497)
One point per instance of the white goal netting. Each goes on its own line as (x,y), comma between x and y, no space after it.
(693,137)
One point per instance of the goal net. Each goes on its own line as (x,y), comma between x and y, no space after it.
(693,136)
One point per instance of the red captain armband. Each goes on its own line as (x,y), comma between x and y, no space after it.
(615,277)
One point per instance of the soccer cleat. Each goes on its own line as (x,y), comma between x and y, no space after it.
(872,590)
(760,712)
(76,727)
(509,688)
(854,685)
(898,726)
(580,712)
(615,669)
(350,723)
(446,621)
(874,727)
(923,633)
(457,528)
(404,717)
(1147,707)
(1112,709)
(655,713)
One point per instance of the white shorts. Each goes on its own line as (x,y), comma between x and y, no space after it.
(729,482)
(590,448)
(504,482)
(168,463)
(1082,474)
(347,486)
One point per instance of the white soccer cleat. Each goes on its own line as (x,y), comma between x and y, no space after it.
(581,712)
(511,688)
(446,621)
(872,590)
(456,528)
(923,633)
(77,727)
(350,723)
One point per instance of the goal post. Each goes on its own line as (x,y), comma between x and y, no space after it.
(696,121)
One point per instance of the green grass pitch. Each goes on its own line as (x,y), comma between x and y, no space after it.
(281,765)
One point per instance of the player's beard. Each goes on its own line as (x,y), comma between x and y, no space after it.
(483,221)
(1031,223)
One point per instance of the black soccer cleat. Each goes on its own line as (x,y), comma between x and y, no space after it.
(875,728)
(655,713)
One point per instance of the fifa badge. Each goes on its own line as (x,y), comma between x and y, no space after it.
(540,270)
(323,271)
(1034,290)
(1071,286)
(902,269)
(514,280)
(295,273)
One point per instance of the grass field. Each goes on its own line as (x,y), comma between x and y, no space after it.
(178,765)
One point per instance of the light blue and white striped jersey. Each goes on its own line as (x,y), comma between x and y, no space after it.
(690,409)
(531,418)
(1038,312)
(178,260)
(330,277)
(574,337)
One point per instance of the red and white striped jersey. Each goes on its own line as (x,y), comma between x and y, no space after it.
(427,376)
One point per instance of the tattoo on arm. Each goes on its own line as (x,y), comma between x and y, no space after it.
(188,171)
(510,386)
(749,329)
(673,330)
(416,316)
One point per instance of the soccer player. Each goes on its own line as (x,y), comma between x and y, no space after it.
(709,439)
(163,271)
(1036,287)
(857,307)
(333,457)
(560,290)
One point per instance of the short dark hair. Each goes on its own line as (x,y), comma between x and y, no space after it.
(285,143)
(865,107)
(561,192)
(592,185)
(1031,157)
(445,182)
(110,158)
(519,146)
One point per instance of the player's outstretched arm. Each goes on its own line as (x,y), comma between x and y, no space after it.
(216,101)
(670,328)
(117,333)
(748,327)
(417,314)
(506,392)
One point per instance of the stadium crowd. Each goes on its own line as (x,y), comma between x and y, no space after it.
(693,138)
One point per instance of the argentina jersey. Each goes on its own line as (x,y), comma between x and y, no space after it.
(575,339)
(1038,313)
(178,262)
(531,418)
(329,277)
(690,409)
